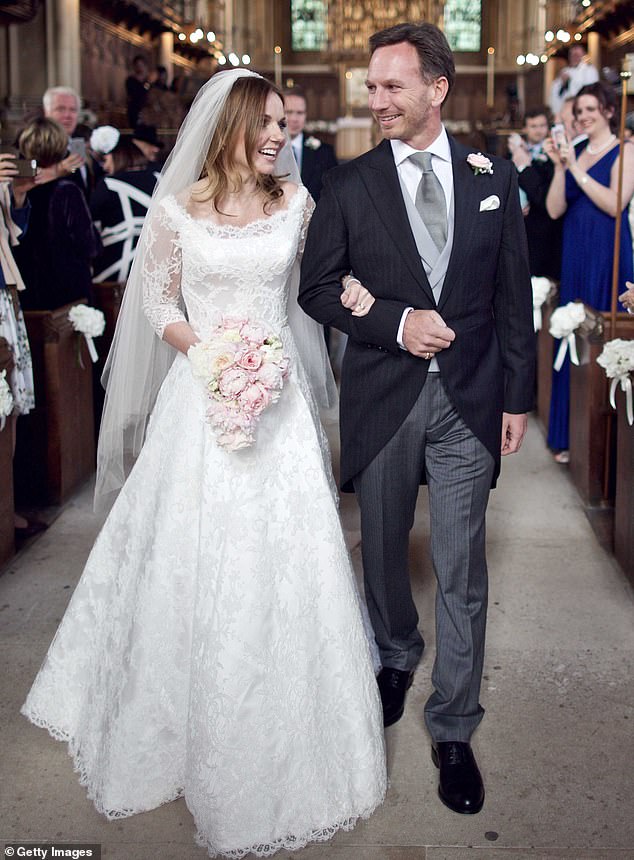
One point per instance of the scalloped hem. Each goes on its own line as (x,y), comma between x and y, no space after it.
(287,843)
(79,766)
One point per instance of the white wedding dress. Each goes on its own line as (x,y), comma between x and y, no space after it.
(214,648)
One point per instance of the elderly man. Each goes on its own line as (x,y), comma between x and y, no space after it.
(62,104)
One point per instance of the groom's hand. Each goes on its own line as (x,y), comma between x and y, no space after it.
(426,332)
(513,431)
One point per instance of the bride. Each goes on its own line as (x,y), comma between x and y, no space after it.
(214,647)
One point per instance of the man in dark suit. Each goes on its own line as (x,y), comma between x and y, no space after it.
(535,172)
(437,376)
(313,156)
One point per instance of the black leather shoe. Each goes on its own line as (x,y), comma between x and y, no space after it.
(460,785)
(393,684)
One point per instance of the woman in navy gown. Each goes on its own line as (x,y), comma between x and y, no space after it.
(583,190)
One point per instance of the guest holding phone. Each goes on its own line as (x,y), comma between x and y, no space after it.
(584,191)
(14,217)
(55,256)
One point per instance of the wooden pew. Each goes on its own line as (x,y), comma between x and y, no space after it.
(624,499)
(107,298)
(7,534)
(589,411)
(55,450)
(545,358)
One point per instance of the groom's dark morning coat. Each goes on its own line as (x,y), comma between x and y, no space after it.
(361,225)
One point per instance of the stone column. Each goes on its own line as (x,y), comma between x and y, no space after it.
(166,46)
(62,36)
(594,49)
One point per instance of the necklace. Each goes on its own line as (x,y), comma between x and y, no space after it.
(599,149)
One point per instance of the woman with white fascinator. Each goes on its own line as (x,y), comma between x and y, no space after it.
(214,647)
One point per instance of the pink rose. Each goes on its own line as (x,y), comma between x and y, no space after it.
(232,381)
(233,322)
(480,163)
(271,375)
(253,333)
(249,359)
(255,398)
(235,440)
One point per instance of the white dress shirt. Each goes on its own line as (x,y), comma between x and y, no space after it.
(410,175)
(578,76)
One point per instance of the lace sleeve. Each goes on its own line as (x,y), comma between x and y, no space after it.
(161,274)
(309,208)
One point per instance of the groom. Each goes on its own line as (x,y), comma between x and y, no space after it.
(436,378)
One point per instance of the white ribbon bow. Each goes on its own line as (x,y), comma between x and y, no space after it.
(626,386)
(567,343)
(91,348)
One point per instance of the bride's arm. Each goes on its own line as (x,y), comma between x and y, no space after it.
(354,296)
(162,285)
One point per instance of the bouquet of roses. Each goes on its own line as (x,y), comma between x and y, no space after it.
(563,324)
(242,367)
(617,359)
(90,322)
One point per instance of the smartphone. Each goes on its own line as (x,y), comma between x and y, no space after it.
(26,167)
(77,146)
(558,134)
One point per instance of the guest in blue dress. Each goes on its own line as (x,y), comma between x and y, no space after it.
(584,191)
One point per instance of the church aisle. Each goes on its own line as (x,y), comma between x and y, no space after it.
(555,747)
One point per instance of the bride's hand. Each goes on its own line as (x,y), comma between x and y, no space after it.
(355,297)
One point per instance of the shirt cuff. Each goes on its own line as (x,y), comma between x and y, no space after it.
(399,333)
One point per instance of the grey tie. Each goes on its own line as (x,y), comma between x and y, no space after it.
(430,200)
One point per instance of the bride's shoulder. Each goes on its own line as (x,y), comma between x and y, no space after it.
(294,194)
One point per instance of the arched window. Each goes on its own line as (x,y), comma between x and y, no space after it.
(463,24)
(309,23)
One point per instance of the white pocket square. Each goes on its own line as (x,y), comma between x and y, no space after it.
(490,203)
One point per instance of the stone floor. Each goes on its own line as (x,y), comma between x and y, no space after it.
(556,747)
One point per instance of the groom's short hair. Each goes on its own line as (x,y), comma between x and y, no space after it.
(434,53)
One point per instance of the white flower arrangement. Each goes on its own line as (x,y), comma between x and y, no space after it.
(563,324)
(90,322)
(541,290)
(6,399)
(617,359)
(104,139)
(312,142)
(480,163)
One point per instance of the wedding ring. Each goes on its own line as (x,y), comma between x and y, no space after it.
(428,355)
(361,307)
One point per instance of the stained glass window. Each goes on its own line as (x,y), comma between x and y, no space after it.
(463,22)
(309,23)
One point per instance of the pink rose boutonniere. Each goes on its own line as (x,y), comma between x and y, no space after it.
(242,368)
(312,142)
(480,163)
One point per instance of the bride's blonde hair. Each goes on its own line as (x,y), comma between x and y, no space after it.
(242,114)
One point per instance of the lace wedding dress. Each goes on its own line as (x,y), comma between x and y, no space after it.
(214,648)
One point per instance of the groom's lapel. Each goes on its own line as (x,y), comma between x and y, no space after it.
(465,191)
(379,175)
